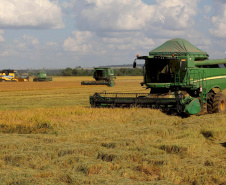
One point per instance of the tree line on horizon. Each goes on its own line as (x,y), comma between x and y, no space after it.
(89,72)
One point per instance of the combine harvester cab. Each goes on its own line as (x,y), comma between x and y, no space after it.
(180,77)
(103,76)
(10,75)
(42,77)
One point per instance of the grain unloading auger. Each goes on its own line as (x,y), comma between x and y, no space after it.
(103,76)
(181,78)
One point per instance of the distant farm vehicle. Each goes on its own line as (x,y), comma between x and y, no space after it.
(180,77)
(103,76)
(10,75)
(42,77)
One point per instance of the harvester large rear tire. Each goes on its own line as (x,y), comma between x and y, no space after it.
(219,103)
(210,102)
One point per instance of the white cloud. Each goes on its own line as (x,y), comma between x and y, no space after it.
(118,15)
(207,8)
(1,37)
(175,14)
(219,20)
(30,14)
(4,53)
(26,42)
(105,31)
(21,46)
(78,42)
(111,44)
(112,14)
(52,44)
(117,26)
(30,40)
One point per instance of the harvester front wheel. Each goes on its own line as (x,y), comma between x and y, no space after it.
(219,103)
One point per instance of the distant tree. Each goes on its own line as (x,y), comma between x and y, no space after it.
(128,72)
(75,72)
(67,72)
(123,71)
(85,72)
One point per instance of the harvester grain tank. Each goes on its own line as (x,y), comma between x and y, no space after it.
(180,77)
(103,76)
(42,77)
(10,75)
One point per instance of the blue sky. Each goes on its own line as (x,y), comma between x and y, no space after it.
(56,34)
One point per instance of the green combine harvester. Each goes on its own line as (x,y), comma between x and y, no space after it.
(42,77)
(180,77)
(103,76)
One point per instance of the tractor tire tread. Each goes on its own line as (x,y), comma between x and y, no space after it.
(210,102)
(217,103)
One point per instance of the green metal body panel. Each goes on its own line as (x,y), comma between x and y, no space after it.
(103,76)
(193,107)
(103,73)
(209,62)
(178,47)
(158,85)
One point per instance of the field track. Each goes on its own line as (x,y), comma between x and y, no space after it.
(50,135)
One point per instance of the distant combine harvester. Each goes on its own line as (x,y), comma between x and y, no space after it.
(103,76)
(10,75)
(42,77)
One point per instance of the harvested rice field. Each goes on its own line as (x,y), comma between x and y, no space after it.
(49,134)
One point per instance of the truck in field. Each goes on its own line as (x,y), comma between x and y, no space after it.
(103,76)
(180,77)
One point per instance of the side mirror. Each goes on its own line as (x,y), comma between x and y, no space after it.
(134,64)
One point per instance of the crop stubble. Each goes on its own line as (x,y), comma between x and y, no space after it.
(49,135)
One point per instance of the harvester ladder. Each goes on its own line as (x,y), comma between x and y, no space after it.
(196,78)
(204,87)
(177,78)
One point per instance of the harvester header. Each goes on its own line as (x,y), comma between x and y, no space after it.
(180,77)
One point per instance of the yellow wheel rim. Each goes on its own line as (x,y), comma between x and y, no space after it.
(222,105)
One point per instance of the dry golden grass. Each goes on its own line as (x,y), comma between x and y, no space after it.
(50,135)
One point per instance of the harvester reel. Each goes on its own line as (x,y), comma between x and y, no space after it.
(219,103)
